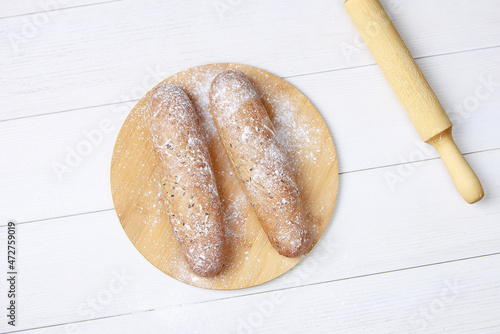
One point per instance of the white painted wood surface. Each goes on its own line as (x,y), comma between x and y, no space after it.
(401,240)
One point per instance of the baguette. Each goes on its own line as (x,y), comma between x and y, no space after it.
(189,187)
(259,162)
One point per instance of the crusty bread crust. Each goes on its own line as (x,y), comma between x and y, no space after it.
(259,162)
(189,187)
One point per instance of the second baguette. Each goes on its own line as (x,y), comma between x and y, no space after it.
(259,162)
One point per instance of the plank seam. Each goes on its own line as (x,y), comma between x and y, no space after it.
(59,9)
(340,173)
(264,292)
(284,77)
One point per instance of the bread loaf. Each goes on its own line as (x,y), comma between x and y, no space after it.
(259,161)
(189,187)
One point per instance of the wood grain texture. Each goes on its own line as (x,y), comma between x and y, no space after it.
(33,191)
(251,260)
(433,299)
(92,63)
(116,51)
(41,8)
(381,237)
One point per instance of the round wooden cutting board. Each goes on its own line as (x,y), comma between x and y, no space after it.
(138,199)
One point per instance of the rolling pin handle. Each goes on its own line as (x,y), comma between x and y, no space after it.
(413,91)
(466,181)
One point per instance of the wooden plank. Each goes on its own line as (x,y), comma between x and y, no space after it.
(42,8)
(413,91)
(44,150)
(457,297)
(369,126)
(73,262)
(83,267)
(43,178)
(91,57)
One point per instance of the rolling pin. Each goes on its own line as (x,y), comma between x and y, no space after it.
(413,91)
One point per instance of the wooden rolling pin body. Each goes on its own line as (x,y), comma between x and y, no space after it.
(413,91)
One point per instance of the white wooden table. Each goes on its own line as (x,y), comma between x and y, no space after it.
(403,252)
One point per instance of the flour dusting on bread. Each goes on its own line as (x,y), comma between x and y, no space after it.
(189,187)
(259,161)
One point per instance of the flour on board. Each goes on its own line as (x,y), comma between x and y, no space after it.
(299,138)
